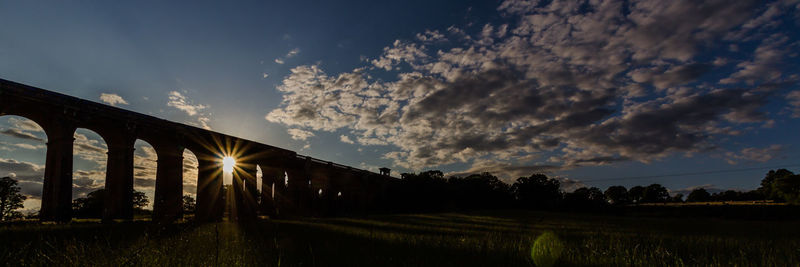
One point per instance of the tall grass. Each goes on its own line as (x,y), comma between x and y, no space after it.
(503,238)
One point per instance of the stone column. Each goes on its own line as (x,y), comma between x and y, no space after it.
(118,199)
(168,201)
(57,191)
(209,189)
(244,182)
(269,177)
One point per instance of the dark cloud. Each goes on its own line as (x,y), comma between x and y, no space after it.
(21,171)
(20,134)
(588,83)
(146,183)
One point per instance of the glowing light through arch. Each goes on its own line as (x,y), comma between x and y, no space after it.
(228,163)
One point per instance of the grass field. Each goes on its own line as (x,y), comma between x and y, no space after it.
(500,238)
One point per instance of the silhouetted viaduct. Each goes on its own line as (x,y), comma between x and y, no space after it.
(291,184)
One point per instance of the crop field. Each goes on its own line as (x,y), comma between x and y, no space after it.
(496,238)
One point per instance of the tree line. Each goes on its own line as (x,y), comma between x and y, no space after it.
(431,191)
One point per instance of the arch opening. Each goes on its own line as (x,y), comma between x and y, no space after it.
(89,157)
(145,166)
(23,153)
(190,176)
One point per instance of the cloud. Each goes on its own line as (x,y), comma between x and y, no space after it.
(112,99)
(24,124)
(584,83)
(20,134)
(569,185)
(21,171)
(346,139)
(754,154)
(431,36)
(506,172)
(181,102)
(89,149)
(794,102)
(298,134)
(29,146)
(291,54)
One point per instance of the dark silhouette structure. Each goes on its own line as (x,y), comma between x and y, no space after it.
(291,184)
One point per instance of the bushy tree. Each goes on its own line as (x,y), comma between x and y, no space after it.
(537,191)
(698,195)
(91,206)
(617,195)
(189,204)
(585,199)
(636,194)
(655,193)
(10,199)
(787,188)
(478,191)
(140,200)
(426,191)
(767,188)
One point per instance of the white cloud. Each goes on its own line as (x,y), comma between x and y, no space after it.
(112,99)
(754,154)
(346,139)
(298,134)
(293,52)
(181,102)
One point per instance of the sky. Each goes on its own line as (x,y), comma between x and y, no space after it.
(687,94)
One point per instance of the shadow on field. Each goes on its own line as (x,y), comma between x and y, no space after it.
(491,238)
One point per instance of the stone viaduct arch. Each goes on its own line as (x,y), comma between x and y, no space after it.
(290,182)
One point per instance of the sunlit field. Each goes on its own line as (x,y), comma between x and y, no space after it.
(504,238)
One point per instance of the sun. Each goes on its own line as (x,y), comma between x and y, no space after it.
(228,163)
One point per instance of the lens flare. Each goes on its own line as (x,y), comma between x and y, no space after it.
(227,164)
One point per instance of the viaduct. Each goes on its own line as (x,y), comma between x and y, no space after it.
(292,184)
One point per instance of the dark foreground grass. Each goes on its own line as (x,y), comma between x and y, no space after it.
(450,239)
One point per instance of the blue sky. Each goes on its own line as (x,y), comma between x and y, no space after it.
(583,91)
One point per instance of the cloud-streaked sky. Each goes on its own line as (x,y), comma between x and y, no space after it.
(581,90)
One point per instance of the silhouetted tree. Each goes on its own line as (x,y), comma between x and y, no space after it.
(91,206)
(676,198)
(140,200)
(698,195)
(655,193)
(636,194)
(537,191)
(426,191)
(188,204)
(767,188)
(787,187)
(585,199)
(10,199)
(617,195)
(478,191)
(728,195)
